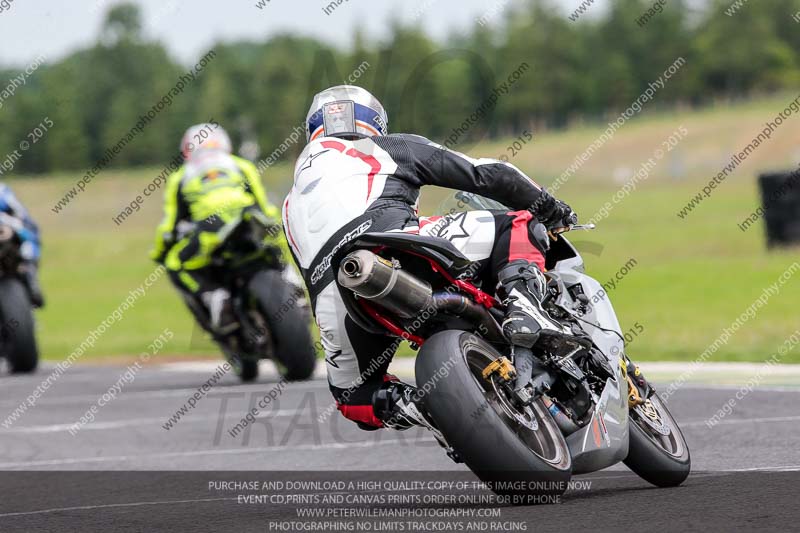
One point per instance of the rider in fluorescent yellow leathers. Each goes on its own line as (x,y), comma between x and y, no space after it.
(203,199)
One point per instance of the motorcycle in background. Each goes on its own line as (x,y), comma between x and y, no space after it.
(268,301)
(17,324)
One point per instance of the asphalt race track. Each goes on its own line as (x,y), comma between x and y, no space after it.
(125,472)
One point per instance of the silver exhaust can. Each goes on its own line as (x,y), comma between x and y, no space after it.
(377,279)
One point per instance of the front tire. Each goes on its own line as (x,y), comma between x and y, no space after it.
(662,460)
(470,413)
(288,321)
(18,330)
(247,370)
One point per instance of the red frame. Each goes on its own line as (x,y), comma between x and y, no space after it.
(481,297)
(388,324)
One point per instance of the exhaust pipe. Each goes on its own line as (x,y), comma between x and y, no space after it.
(375,278)
(564,423)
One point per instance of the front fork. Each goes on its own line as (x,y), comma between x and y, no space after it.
(526,365)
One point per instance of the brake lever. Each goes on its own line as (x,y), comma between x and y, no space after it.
(555,232)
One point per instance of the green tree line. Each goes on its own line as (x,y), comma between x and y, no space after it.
(567,72)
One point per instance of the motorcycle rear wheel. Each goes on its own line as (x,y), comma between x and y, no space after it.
(522,454)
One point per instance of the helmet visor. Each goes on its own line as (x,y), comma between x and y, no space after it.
(339,117)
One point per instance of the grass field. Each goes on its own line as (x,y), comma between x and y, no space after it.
(692,278)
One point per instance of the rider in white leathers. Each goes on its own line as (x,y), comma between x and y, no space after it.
(352,178)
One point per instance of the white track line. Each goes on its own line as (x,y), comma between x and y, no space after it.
(229,451)
(790,468)
(715,387)
(56,428)
(196,453)
(299,387)
(111,505)
(137,422)
(737,421)
(132,422)
(168,393)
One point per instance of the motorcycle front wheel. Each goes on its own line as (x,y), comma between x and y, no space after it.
(18,332)
(244,367)
(288,322)
(657,451)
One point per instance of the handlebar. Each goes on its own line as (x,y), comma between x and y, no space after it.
(555,232)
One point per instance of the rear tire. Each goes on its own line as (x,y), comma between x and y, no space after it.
(289,322)
(496,447)
(18,329)
(661,460)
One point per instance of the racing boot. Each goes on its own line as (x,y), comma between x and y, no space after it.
(522,287)
(220,311)
(397,405)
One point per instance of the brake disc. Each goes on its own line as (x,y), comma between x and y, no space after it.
(650,415)
(525,417)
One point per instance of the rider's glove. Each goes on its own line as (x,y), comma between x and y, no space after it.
(157,256)
(553,213)
(159,253)
(567,215)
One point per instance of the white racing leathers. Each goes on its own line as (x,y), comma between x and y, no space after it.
(343,189)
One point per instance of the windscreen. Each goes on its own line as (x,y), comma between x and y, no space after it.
(467,201)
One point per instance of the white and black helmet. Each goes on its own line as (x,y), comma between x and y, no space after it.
(205,137)
(345,111)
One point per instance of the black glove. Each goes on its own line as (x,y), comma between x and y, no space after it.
(568,216)
(553,213)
